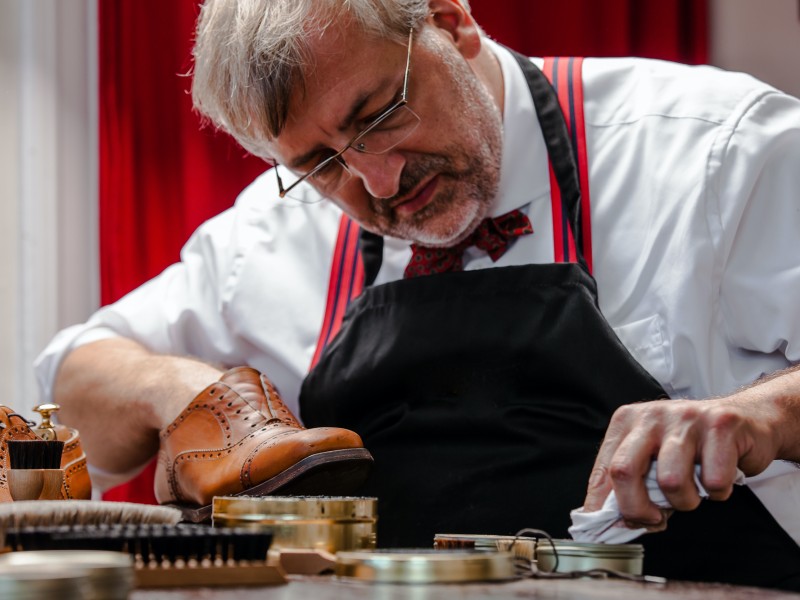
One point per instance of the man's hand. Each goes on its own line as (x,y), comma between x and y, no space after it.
(746,430)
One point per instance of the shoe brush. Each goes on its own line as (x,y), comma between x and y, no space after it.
(166,555)
(35,469)
(72,513)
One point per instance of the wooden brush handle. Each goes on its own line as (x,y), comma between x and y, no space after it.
(35,484)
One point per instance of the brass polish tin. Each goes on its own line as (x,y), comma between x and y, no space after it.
(329,523)
(35,583)
(101,575)
(418,566)
(581,556)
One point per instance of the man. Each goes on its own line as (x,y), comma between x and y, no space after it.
(484,393)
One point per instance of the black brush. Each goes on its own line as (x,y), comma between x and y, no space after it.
(35,454)
(149,543)
(166,555)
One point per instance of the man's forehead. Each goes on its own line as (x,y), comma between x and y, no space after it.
(336,81)
(340,59)
(343,72)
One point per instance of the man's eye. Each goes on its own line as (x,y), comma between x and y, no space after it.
(375,116)
(393,119)
(325,169)
(379,113)
(322,158)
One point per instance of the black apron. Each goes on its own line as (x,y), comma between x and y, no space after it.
(484,396)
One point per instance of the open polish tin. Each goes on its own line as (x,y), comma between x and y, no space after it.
(552,555)
(329,523)
(580,556)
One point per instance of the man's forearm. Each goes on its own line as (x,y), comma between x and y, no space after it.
(119,396)
(779,395)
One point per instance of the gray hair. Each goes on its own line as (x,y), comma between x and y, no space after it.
(248,55)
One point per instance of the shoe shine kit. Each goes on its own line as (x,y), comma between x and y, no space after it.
(59,544)
(317,534)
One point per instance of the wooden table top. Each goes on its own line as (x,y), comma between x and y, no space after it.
(329,588)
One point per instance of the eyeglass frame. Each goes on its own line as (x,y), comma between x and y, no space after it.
(353,141)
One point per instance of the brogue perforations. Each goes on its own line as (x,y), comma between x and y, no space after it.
(237,434)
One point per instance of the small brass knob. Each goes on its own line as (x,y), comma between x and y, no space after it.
(46,430)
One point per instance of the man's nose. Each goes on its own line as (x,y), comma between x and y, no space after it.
(380,173)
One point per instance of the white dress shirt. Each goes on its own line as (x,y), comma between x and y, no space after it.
(695,211)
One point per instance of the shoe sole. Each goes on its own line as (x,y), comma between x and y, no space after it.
(331,473)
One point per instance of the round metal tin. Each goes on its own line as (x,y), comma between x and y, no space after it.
(425,566)
(107,575)
(330,523)
(34,583)
(581,556)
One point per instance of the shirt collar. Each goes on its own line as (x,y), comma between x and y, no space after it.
(523,170)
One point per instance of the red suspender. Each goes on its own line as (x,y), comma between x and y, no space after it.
(345,283)
(347,269)
(565,76)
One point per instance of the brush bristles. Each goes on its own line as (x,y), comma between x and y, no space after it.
(453,544)
(35,454)
(149,543)
(36,513)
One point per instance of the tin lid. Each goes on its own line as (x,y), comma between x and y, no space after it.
(264,508)
(417,565)
(34,583)
(590,550)
(105,574)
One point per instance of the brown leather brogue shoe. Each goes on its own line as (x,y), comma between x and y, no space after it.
(238,437)
(77,484)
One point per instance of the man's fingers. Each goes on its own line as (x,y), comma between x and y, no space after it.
(628,473)
(718,463)
(599,488)
(622,464)
(652,527)
(676,467)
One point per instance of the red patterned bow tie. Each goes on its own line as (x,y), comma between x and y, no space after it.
(492,236)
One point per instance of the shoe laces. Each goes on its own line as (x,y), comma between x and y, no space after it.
(275,408)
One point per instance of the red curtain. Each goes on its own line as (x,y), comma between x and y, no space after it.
(668,29)
(161,175)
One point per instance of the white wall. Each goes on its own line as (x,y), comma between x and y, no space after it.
(9,187)
(48,175)
(760,37)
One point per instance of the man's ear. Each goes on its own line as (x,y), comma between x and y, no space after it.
(452,19)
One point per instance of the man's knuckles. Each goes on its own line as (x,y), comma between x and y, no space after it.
(723,419)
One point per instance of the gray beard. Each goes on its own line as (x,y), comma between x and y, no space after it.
(475,185)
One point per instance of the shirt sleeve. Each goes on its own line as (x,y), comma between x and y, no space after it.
(757,189)
(178,312)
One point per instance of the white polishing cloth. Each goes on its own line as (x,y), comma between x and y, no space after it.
(606,526)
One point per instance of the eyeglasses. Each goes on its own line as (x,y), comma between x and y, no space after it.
(385,132)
